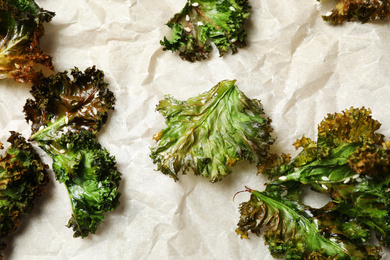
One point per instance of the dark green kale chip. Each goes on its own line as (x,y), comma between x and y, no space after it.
(22,179)
(201,22)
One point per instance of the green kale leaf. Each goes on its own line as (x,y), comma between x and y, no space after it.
(201,22)
(358,10)
(350,162)
(22,178)
(21,28)
(65,116)
(211,132)
(90,176)
(299,232)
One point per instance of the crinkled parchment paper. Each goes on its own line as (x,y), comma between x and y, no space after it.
(300,67)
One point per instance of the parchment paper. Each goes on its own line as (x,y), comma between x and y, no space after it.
(300,67)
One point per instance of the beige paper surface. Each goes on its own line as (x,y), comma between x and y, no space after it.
(300,67)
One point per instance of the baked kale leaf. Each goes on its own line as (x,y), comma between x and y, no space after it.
(297,231)
(65,104)
(21,27)
(22,178)
(350,162)
(358,10)
(90,176)
(211,132)
(202,22)
(65,116)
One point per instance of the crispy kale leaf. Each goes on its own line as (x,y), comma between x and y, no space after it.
(21,27)
(300,232)
(90,176)
(350,162)
(358,10)
(63,104)
(211,132)
(201,22)
(341,138)
(22,179)
(65,116)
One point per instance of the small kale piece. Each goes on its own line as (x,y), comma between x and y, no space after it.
(22,178)
(358,10)
(21,28)
(201,22)
(65,116)
(211,132)
(350,162)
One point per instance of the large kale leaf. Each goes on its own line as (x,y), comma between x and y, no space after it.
(211,132)
(202,22)
(21,28)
